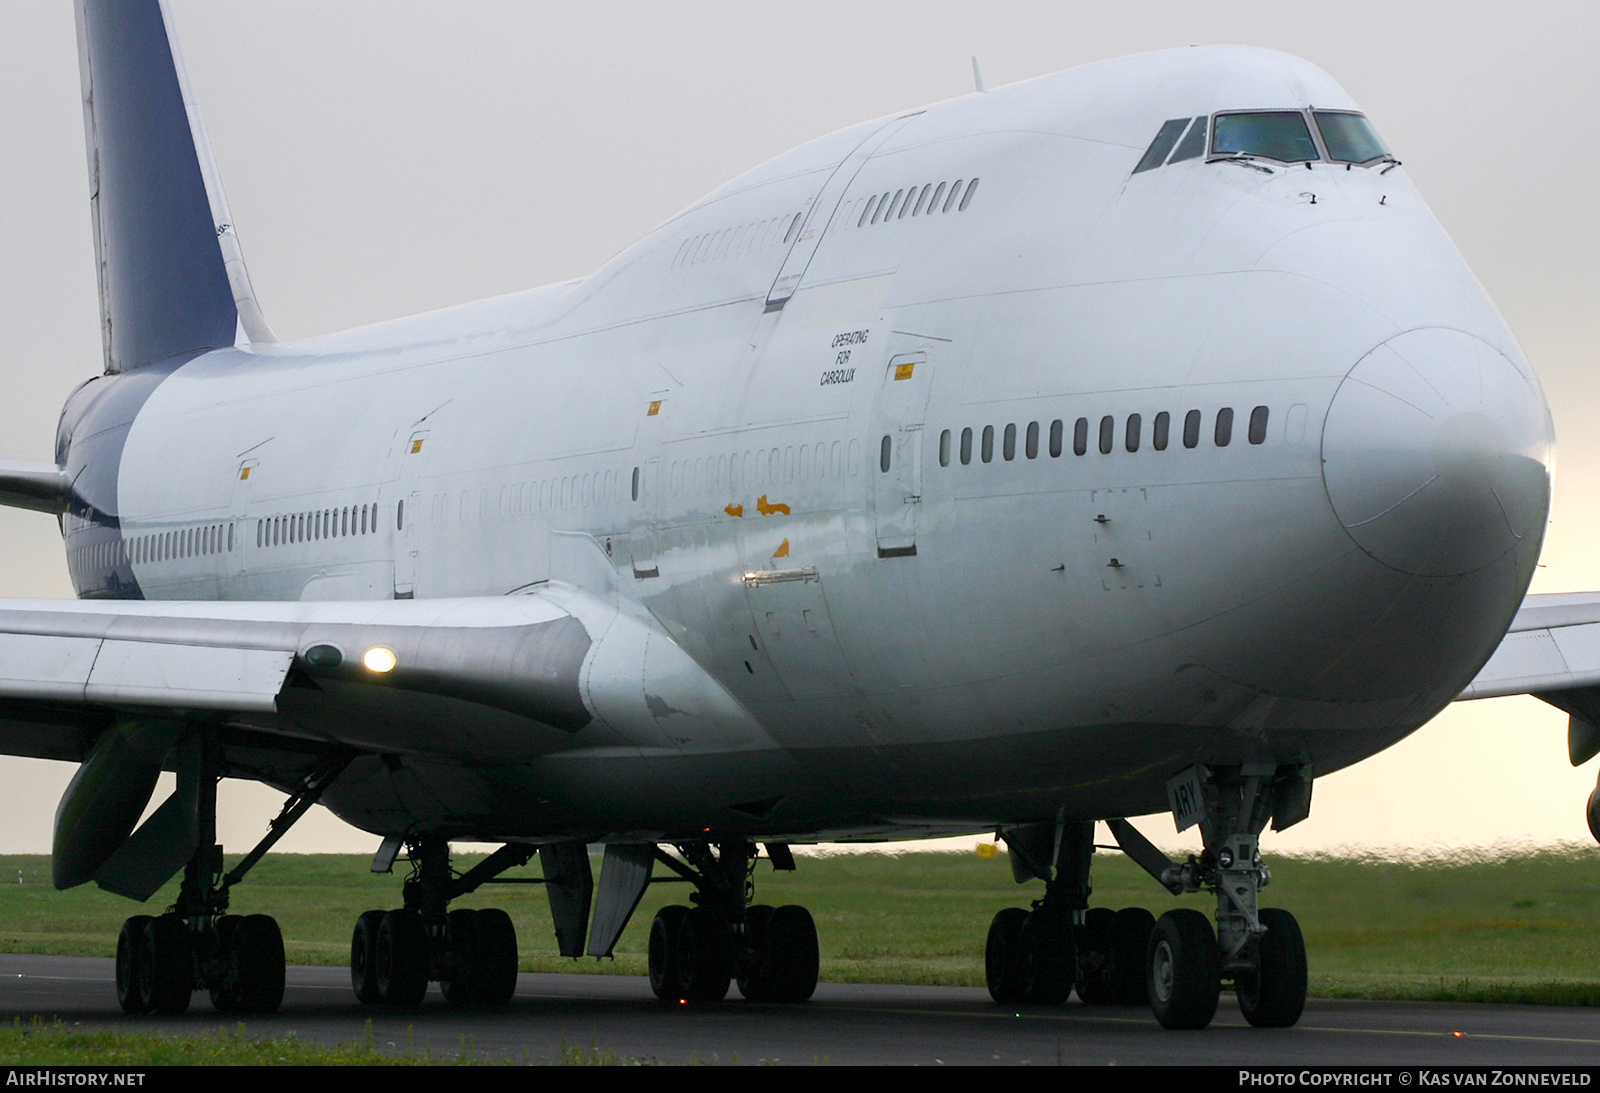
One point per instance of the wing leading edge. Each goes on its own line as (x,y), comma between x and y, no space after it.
(1552,652)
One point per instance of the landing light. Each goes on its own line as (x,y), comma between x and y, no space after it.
(379,659)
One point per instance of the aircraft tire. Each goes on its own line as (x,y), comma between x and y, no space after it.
(166,966)
(1048,955)
(364,958)
(1274,995)
(1184,969)
(459,977)
(496,967)
(402,963)
(257,945)
(1131,933)
(795,961)
(129,940)
(664,982)
(1004,960)
(704,953)
(1097,958)
(755,962)
(225,995)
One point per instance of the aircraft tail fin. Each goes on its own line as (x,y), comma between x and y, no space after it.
(172,276)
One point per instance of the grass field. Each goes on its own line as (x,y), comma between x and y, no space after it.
(1521,928)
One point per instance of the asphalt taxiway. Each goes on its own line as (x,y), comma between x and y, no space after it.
(845,1023)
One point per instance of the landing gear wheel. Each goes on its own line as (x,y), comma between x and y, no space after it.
(253,982)
(402,962)
(664,981)
(165,972)
(364,958)
(793,960)
(129,940)
(1097,957)
(1274,995)
(460,980)
(755,963)
(225,996)
(1048,952)
(497,957)
(703,953)
(1005,968)
(1131,940)
(1185,970)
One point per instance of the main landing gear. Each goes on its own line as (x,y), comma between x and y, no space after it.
(195,945)
(1177,963)
(1062,945)
(471,954)
(697,952)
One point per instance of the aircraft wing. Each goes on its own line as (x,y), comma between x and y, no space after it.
(297,671)
(1552,652)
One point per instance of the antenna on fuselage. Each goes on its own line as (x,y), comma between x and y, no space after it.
(977,76)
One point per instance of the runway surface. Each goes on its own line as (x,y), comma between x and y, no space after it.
(845,1023)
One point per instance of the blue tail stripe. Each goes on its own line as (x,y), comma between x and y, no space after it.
(165,289)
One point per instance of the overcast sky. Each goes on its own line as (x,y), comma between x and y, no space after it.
(387,158)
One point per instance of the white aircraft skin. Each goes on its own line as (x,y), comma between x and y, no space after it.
(947,645)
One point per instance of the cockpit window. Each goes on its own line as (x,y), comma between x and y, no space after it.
(1349,137)
(1279,134)
(1193,143)
(1166,137)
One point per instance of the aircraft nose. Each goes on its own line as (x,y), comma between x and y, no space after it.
(1436,453)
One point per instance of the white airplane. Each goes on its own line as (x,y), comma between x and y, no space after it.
(1125,441)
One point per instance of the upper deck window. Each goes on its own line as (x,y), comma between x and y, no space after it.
(1349,137)
(1277,134)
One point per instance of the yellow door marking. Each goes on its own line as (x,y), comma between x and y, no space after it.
(655,408)
(766,509)
(734,510)
(903,371)
(782,551)
(416,446)
(244,472)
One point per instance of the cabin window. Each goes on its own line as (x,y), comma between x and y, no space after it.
(1057,427)
(1108,434)
(988,443)
(872,203)
(1080,436)
(966,446)
(1158,431)
(884,450)
(636,483)
(955,191)
(1224,430)
(1032,443)
(1155,155)
(905,206)
(966,199)
(933,202)
(922,199)
(883,208)
(1191,429)
(1009,444)
(1258,425)
(1130,437)
(944,448)
(794,226)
